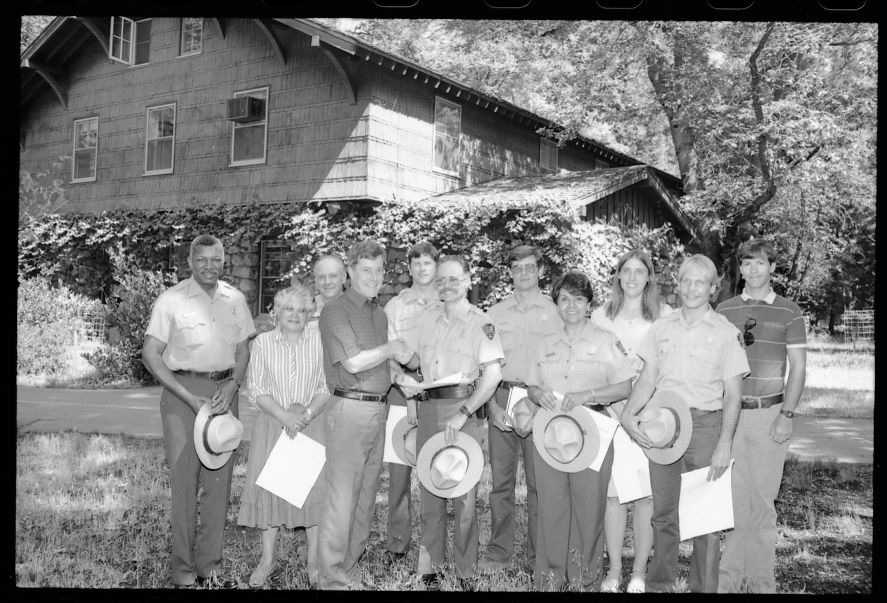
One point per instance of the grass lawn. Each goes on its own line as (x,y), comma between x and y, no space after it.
(92,512)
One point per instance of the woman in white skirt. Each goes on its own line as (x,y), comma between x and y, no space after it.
(287,386)
(629,312)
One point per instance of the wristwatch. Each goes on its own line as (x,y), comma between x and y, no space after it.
(787,413)
(465,411)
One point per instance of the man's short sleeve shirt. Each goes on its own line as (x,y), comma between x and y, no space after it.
(350,324)
(462,343)
(521,330)
(404,312)
(778,324)
(200,333)
(695,360)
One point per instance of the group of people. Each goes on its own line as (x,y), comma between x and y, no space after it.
(331,366)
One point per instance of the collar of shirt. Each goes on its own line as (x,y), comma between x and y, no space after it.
(708,317)
(409,296)
(460,311)
(533,299)
(587,331)
(769,298)
(358,299)
(194,289)
(281,339)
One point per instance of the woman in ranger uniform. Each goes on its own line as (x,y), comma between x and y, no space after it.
(587,367)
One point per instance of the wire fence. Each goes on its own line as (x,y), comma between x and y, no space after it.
(89,331)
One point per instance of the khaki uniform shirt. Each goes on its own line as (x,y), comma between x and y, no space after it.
(462,343)
(694,361)
(404,313)
(591,361)
(521,330)
(200,333)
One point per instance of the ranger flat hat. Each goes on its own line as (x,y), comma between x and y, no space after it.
(522,414)
(666,420)
(568,441)
(450,470)
(403,440)
(216,436)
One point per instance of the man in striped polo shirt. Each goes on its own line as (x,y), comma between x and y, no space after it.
(773,331)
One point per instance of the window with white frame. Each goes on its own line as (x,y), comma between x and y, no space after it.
(86,140)
(249,139)
(447,130)
(547,156)
(192,36)
(130,40)
(160,139)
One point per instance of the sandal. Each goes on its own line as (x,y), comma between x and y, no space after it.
(610,584)
(260,576)
(637,584)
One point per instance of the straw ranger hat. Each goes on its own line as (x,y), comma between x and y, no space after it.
(522,414)
(450,470)
(666,420)
(216,436)
(567,441)
(403,440)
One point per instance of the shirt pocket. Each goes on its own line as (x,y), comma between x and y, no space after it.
(668,357)
(229,328)
(193,329)
(704,363)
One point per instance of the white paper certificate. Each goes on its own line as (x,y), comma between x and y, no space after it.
(606,427)
(705,507)
(454,379)
(395,414)
(631,469)
(514,394)
(292,468)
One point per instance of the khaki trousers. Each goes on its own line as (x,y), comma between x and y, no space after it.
(400,506)
(355,432)
(749,559)
(665,481)
(570,536)
(196,549)
(433,414)
(505,447)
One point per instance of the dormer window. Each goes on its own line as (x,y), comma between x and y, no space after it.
(192,36)
(130,40)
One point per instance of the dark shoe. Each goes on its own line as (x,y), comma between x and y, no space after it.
(216,582)
(431,581)
(467,584)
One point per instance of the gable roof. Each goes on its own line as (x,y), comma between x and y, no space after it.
(46,56)
(579,189)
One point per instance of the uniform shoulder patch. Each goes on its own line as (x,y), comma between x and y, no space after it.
(489,330)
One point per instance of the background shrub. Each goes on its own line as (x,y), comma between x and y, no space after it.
(47,321)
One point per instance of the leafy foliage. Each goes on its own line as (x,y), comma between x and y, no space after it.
(771,125)
(47,319)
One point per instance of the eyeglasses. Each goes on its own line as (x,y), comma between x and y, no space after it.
(522,268)
(747,335)
(452,281)
(292,310)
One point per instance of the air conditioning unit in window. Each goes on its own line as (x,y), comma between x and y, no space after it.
(244,109)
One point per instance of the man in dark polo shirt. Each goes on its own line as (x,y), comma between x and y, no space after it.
(356,351)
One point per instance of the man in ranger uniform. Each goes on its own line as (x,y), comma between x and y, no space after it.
(522,320)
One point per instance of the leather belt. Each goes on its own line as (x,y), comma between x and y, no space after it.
(597,407)
(362,396)
(450,391)
(510,384)
(755,402)
(214,375)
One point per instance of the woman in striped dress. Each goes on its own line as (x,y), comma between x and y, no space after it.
(287,386)
(629,312)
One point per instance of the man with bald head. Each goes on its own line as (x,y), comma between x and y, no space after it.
(329,279)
